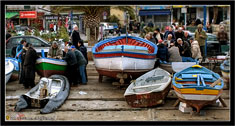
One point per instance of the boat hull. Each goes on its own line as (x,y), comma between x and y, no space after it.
(149,99)
(124,63)
(46,67)
(9,67)
(113,73)
(8,76)
(167,67)
(57,91)
(197,86)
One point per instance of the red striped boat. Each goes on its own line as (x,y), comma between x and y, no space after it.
(126,55)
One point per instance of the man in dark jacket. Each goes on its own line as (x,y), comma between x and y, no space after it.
(186,37)
(83,49)
(75,37)
(81,64)
(162,52)
(157,35)
(71,70)
(179,34)
(185,51)
(29,67)
(170,31)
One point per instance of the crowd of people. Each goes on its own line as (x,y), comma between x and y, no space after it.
(75,56)
(173,46)
(178,46)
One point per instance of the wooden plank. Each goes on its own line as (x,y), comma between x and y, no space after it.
(83,116)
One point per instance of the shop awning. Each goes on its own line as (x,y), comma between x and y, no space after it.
(154,12)
(11,14)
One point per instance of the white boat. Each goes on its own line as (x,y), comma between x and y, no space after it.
(9,67)
(49,94)
(149,89)
(131,55)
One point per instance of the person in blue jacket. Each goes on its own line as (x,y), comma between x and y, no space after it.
(19,51)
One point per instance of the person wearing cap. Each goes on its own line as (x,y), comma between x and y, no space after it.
(173,53)
(200,36)
(71,71)
(184,50)
(29,66)
(169,31)
(81,61)
(222,37)
(75,36)
(157,35)
(162,52)
(179,34)
(55,51)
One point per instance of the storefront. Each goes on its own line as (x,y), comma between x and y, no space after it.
(159,15)
(53,19)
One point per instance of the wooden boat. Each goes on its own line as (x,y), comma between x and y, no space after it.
(225,70)
(15,72)
(9,67)
(46,67)
(197,86)
(125,55)
(48,94)
(149,89)
(173,67)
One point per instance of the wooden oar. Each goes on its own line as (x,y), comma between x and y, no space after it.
(215,83)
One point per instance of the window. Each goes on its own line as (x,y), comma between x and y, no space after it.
(13,42)
(35,42)
(26,7)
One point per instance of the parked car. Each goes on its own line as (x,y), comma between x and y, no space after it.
(21,28)
(109,27)
(212,44)
(37,42)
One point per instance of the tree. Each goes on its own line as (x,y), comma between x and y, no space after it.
(92,16)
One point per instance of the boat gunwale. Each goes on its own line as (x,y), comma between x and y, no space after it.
(121,37)
(203,69)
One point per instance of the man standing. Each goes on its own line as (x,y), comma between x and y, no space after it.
(71,70)
(81,64)
(186,37)
(222,37)
(75,36)
(19,51)
(55,52)
(200,36)
(179,33)
(157,35)
(29,66)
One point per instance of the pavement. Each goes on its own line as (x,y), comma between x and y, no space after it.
(104,102)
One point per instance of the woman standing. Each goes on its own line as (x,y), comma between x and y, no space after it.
(83,49)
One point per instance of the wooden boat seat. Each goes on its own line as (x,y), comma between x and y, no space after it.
(127,48)
(191,76)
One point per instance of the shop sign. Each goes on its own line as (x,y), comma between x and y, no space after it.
(28,14)
(51,17)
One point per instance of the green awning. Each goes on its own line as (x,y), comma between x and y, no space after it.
(11,14)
